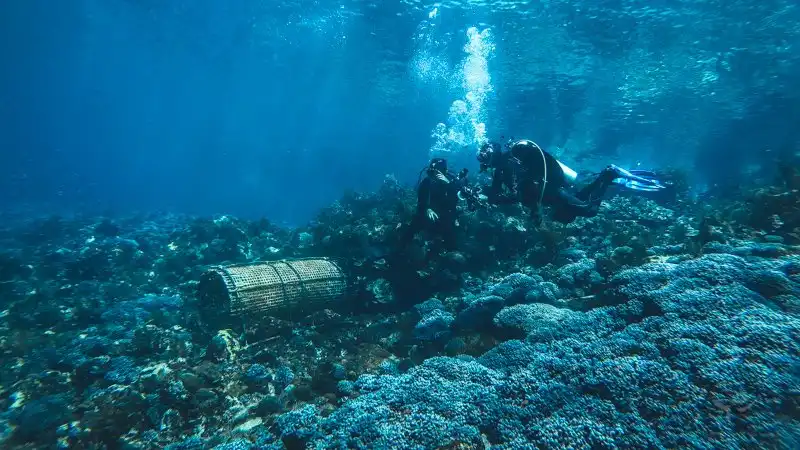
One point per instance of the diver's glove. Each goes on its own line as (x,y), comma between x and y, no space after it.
(440,176)
(432,216)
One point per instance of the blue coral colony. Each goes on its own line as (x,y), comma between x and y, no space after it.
(648,325)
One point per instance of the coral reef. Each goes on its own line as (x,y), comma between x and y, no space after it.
(660,323)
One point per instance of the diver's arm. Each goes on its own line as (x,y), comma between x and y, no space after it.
(457,185)
(461,185)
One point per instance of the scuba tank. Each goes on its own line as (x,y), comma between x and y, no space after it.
(569,174)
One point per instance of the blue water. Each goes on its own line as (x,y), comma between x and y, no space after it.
(657,321)
(274,109)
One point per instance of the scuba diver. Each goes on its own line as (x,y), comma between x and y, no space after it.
(535,178)
(437,199)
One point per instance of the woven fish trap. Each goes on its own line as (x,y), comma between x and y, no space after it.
(284,289)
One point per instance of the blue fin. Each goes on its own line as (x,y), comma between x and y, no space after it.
(638,180)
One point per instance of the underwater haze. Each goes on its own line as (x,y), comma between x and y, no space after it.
(355,224)
(255,108)
(261,108)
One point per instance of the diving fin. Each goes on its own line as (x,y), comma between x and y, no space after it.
(638,180)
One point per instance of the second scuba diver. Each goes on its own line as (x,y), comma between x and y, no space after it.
(535,178)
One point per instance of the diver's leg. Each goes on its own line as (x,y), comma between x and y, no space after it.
(409,231)
(597,188)
(566,207)
(448,233)
(443,231)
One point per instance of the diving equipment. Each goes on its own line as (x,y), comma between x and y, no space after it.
(570,174)
(637,180)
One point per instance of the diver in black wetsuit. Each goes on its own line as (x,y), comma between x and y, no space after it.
(437,199)
(535,178)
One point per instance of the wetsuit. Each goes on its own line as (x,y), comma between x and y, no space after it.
(521,171)
(442,198)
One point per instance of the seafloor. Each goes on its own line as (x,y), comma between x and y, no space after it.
(661,323)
